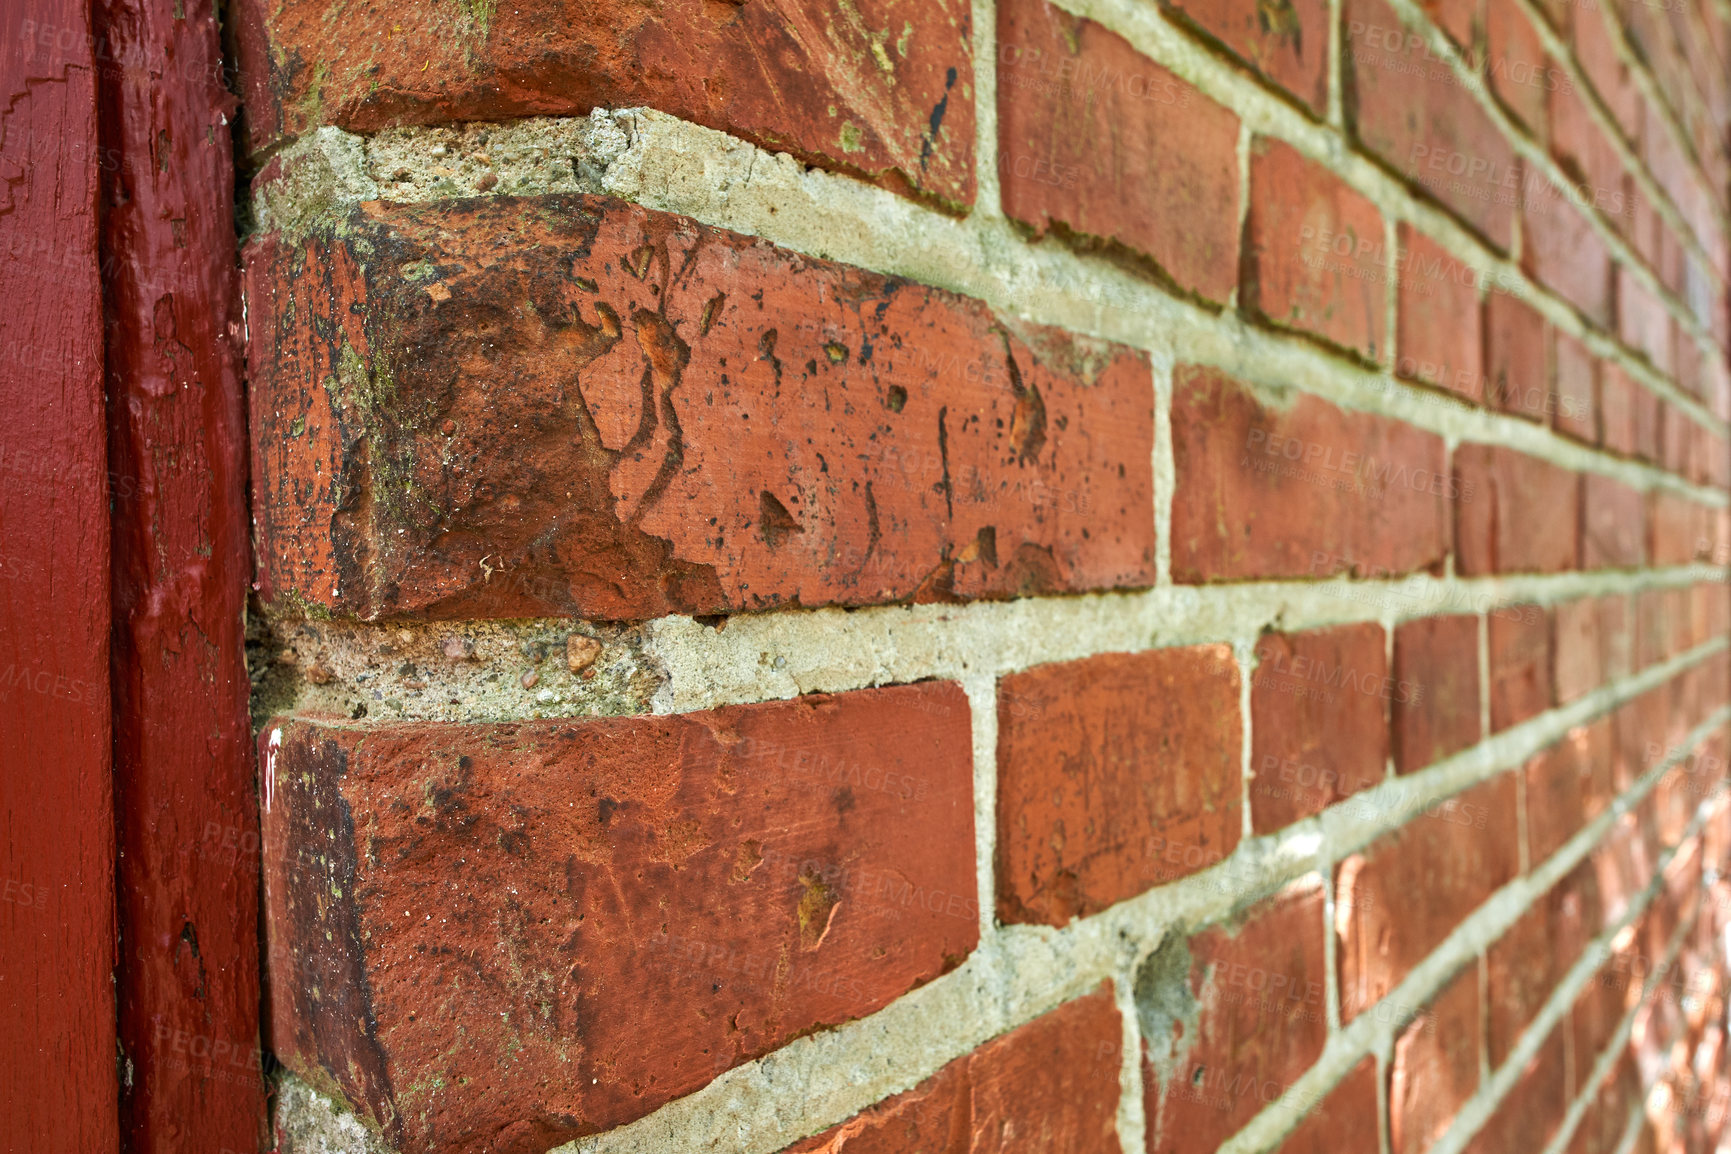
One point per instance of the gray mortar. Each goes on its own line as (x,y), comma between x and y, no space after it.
(309,1122)
(403,671)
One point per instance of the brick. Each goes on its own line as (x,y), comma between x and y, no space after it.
(1602,1127)
(1578,652)
(1568,785)
(1519,643)
(1413,114)
(1100,142)
(1642,320)
(1441,656)
(1455,17)
(1616,638)
(1584,151)
(1577,387)
(1435,1066)
(1532,1109)
(1254,1018)
(1288,47)
(623,447)
(1561,251)
(1597,54)
(1598,1009)
(1674,527)
(1318,716)
(1613,524)
(1534,954)
(1051,1084)
(1115,773)
(1276,483)
(1653,627)
(1516,514)
(678,894)
(1457,852)
(1520,73)
(1629,415)
(1517,358)
(1344,1122)
(1316,258)
(887,94)
(1437,322)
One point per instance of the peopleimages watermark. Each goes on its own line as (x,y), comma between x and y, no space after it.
(1420,61)
(1033,68)
(1310,677)
(1344,469)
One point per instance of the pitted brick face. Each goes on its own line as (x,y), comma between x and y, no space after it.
(604,914)
(883,88)
(572,405)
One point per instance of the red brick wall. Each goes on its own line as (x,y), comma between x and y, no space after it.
(994,577)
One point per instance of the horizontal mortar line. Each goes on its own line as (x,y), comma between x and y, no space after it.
(988,259)
(1154,37)
(1563,52)
(1475,934)
(1478,1109)
(1443,48)
(1632,1128)
(1021,972)
(835,650)
(1605,1063)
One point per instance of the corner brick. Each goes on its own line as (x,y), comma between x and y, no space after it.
(1344,1122)
(1316,258)
(1437,318)
(1456,851)
(1519,644)
(1435,1067)
(1515,513)
(1052,1083)
(1318,710)
(1560,249)
(1254,1017)
(1517,358)
(1115,773)
(671,418)
(638,903)
(1405,108)
(1613,524)
(1288,48)
(1440,656)
(887,93)
(1281,484)
(1098,140)
(1534,954)
(1577,390)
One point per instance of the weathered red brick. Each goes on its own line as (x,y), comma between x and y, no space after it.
(1532,1109)
(1577,389)
(1456,852)
(1578,654)
(1568,785)
(1602,1128)
(1675,527)
(1344,1122)
(1115,773)
(1515,513)
(1288,47)
(1560,249)
(736,428)
(1099,141)
(887,93)
(639,903)
(1518,639)
(1534,954)
(1276,483)
(1584,151)
(1597,54)
(1613,524)
(1316,259)
(1519,71)
(1256,1018)
(1455,17)
(1435,1067)
(1642,320)
(1050,1085)
(1405,107)
(1437,318)
(1517,358)
(1629,415)
(1318,716)
(1440,657)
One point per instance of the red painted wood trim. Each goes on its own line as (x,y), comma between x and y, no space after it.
(57,1073)
(186,815)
